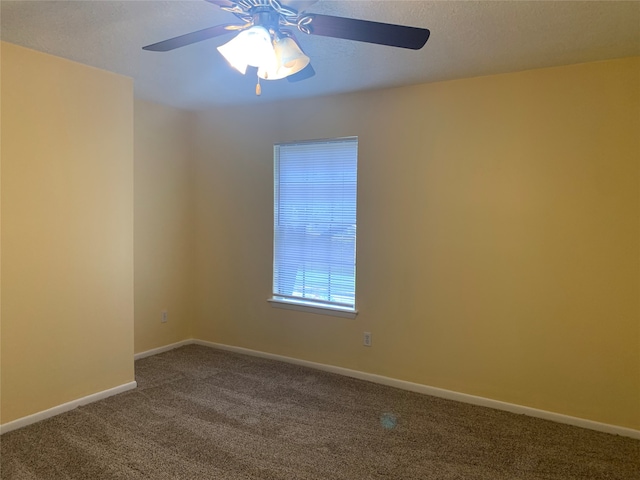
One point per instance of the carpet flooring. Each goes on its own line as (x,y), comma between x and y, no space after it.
(201,413)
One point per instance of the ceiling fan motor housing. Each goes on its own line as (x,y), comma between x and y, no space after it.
(266,17)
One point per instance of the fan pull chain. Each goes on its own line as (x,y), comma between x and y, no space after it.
(258,87)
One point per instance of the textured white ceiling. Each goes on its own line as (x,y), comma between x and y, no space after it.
(468,38)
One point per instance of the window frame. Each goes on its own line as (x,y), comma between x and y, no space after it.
(321,307)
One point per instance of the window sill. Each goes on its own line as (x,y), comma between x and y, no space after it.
(311,308)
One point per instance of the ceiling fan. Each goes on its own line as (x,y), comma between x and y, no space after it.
(265,39)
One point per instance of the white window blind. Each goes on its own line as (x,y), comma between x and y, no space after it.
(315,222)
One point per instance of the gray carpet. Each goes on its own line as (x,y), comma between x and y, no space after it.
(201,413)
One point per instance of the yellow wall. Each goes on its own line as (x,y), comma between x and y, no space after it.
(498,249)
(163,225)
(498,236)
(67,231)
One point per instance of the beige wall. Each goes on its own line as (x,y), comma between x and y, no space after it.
(67,231)
(498,249)
(163,225)
(498,236)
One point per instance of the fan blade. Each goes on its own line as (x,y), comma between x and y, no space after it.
(223,3)
(306,72)
(189,38)
(370,32)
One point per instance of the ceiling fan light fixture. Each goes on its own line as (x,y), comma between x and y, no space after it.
(261,43)
(251,47)
(289,60)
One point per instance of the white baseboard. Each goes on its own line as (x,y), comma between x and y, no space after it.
(65,407)
(438,392)
(392,382)
(166,348)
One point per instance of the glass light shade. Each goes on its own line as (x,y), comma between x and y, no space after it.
(250,47)
(289,60)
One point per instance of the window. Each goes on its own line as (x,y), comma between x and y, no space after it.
(314,256)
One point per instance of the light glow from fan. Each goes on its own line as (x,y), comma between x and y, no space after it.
(254,47)
(289,60)
(250,47)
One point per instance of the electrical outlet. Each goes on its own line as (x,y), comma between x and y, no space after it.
(367,339)
(164,317)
